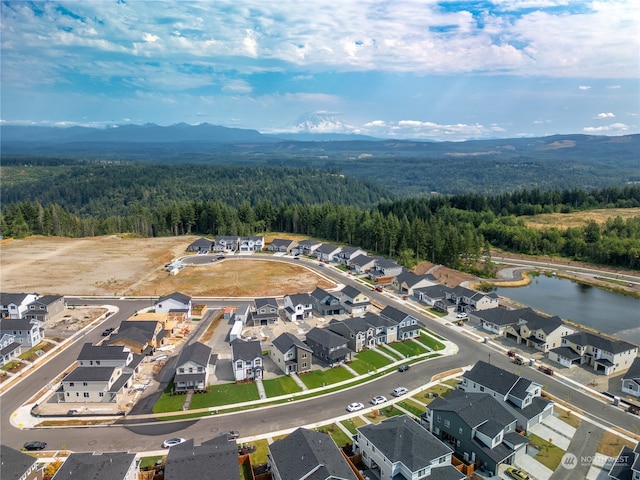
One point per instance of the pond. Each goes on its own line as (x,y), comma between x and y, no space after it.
(605,311)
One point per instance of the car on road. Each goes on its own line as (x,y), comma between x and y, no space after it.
(517,474)
(399,391)
(231,435)
(378,399)
(403,368)
(378,289)
(354,407)
(321,264)
(34,446)
(171,442)
(462,315)
(297,257)
(108,332)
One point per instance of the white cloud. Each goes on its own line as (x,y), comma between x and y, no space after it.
(605,115)
(584,87)
(613,128)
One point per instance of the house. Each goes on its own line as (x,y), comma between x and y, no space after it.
(282,245)
(348,252)
(384,270)
(328,346)
(167,321)
(265,312)
(386,330)
(228,244)
(478,427)
(468,300)
(521,396)
(407,325)
(25,332)
(498,320)
(406,282)
(327,252)
(306,247)
(435,296)
(16,465)
(201,245)
(326,304)
(253,243)
(104,375)
(140,337)
(291,354)
(9,348)
(538,331)
(361,263)
(215,458)
(398,447)
(104,466)
(627,464)
(359,334)
(310,455)
(246,359)
(298,306)
(631,379)
(15,305)
(354,301)
(605,355)
(243,313)
(174,302)
(194,367)
(45,308)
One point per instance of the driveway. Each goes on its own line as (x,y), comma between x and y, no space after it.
(558,432)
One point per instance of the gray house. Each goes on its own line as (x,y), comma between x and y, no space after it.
(479,428)
(328,346)
(326,304)
(9,348)
(401,448)
(361,263)
(265,312)
(291,354)
(356,330)
(105,466)
(627,464)
(327,252)
(226,244)
(631,379)
(407,324)
(384,270)
(25,332)
(44,308)
(307,454)
(215,458)
(200,245)
(194,367)
(306,247)
(348,252)
(15,465)
(282,245)
(246,359)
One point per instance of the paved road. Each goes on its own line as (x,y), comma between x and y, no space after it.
(583,445)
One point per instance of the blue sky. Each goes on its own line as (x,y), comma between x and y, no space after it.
(447,70)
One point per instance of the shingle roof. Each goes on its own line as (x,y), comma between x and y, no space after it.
(305,451)
(217,457)
(47,299)
(394,314)
(196,352)
(325,337)
(435,291)
(474,408)
(282,242)
(327,248)
(300,299)
(286,341)
(566,352)
(361,260)
(353,324)
(177,296)
(621,468)
(378,321)
(16,298)
(634,370)
(495,378)
(262,302)
(411,278)
(102,352)
(400,439)
(13,463)
(90,374)
(247,351)
(106,466)
(600,342)
(10,348)
(16,324)
(201,242)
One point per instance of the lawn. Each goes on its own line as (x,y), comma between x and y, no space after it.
(225,394)
(321,378)
(412,407)
(549,455)
(436,312)
(430,342)
(439,390)
(280,386)
(434,335)
(353,423)
(408,348)
(611,444)
(260,454)
(169,403)
(567,417)
(377,416)
(391,351)
(368,361)
(148,462)
(337,434)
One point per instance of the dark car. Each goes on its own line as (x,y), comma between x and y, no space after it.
(403,368)
(108,332)
(231,435)
(34,446)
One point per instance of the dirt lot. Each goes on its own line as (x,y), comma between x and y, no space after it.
(117,265)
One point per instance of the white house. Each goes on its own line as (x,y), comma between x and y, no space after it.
(246,360)
(631,379)
(251,244)
(298,306)
(15,305)
(174,302)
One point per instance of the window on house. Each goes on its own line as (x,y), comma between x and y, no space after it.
(101,394)
(97,362)
(77,394)
(447,423)
(239,364)
(439,419)
(304,365)
(181,370)
(84,384)
(85,394)
(72,384)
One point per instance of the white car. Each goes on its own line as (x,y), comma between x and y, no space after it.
(378,399)
(354,407)
(462,315)
(170,442)
(397,392)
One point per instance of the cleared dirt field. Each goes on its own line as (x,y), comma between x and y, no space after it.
(116,265)
(578,219)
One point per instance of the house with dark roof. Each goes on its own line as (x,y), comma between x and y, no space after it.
(478,427)
(253,243)
(359,334)
(384,270)
(399,447)
(435,296)
(104,466)
(215,458)
(354,301)
(605,355)
(328,346)
(407,282)
(307,454)
(386,330)
(538,331)
(327,252)
(282,245)
(266,311)
(195,365)
(9,348)
(521,396)
(497,320)
(229,243)
(468,300)
(627,464)
(174,302)
(141,337)
(631,379)
(407,324)
(104,374)
(291,354)
(246,359)
(298,306)
(27,333)
(326,304)
(15,465)
(15,305)
(44,308)
(348,252)
(200,245)
(361,263)
(306,247)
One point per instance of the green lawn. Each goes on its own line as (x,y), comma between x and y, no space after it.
(412,407)
(260,454)
(549,455)
(225,394)
(280,386)
(352,423)
(430,342)
(147,462)
(436,312)
(408,348)
(434,335)
(368,361)
(337,434)
(169,403)
(377,416)
(391,351)
(320,378)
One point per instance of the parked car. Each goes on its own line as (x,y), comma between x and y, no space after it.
(378,289)
(108,332)
(34,446)
(378,399)
(403,368)
(171,442)
(231,434)
(354,407)
(397,392)
(462,315)
(517,474)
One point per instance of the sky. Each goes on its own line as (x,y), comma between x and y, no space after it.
(406,69)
